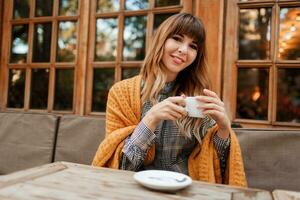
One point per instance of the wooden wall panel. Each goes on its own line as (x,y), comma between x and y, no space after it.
(82,61)
(1,30)
(230,56)
(211,12)
(5,46)
(1,22)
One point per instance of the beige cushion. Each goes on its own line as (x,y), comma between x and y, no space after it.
(271,158)
(78,138)
(26,140)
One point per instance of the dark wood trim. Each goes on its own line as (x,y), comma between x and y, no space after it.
(289,3)
(265,124)
(250,4)
(253,63)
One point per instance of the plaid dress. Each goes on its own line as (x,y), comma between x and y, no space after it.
(172,148)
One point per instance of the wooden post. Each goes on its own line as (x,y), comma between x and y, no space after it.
(82,61)
(211,12)
(1,64)
(5,46)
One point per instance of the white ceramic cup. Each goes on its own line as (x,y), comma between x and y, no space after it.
(191,105)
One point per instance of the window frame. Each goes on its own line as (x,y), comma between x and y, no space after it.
(232,64)
(83,64)
(119,64)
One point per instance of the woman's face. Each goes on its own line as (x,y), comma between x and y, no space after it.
(179,52)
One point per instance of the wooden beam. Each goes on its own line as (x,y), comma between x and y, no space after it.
(6,33)
(81,68)
(211,12)
(1,66)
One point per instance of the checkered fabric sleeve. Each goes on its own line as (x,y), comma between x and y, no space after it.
(136,147)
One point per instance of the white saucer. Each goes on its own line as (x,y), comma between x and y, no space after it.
(162,180)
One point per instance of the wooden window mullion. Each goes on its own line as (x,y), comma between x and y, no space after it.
(27,89)
(90,60)
(149,31)
(273,100)
(81,68)
(53,57)
(119,58)
(29,57)
(6,43)
(273,72)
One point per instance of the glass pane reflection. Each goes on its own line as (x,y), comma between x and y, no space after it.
(21,9)
(107,5)
(42,42)
(136,4)
(252,94)
(39,88)
(68,7)
(134,38)
(67,41)
(159,18)
(255,33)
(288,95)
(159,3)
(103,80)
(130,72)
(106,39)
(19,44)
(43,8)
(289,35)
(16,88)
(64,84)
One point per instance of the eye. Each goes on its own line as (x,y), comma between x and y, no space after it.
(177,38)
(194,46)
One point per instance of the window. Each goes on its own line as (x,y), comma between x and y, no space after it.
(264,63)
(119,36)
(42,57)
(62,56)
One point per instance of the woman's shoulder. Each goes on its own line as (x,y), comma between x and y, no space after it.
(126,84)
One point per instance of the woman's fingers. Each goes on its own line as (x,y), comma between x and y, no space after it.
(210,93)
(169,109)
(210,97)
(211,106)
(206,99)
(178,109)
(175,115)
(179,100)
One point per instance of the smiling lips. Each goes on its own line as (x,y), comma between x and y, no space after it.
(178,60)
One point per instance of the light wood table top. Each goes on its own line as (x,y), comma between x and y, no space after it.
(63,180)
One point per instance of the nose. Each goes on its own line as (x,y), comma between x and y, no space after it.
(183,48)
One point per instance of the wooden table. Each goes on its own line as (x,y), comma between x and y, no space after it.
(64,180)
(286,195)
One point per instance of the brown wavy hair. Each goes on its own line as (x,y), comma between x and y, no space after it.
(191,81)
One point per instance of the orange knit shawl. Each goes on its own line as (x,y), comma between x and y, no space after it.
(123,115)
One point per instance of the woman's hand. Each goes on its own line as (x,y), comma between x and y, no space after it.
(212,105)
(171,108)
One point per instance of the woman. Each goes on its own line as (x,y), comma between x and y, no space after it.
(147,126)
